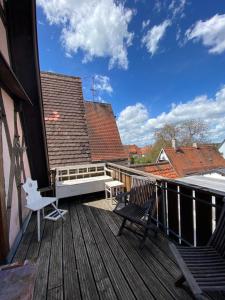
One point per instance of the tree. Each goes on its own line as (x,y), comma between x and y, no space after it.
(193,131)
(186,133)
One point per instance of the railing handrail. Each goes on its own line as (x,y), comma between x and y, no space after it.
(136,172)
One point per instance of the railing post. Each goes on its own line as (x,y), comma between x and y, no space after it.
(178,206)
(213,214)
(157,204)
(194,218)
(165,207)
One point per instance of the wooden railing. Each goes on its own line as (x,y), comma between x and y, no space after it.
(185,212)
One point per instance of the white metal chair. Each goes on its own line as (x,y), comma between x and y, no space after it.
(36,202)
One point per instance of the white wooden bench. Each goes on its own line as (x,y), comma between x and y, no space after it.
(81,179)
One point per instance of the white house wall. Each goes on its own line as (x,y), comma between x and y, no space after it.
(222,149)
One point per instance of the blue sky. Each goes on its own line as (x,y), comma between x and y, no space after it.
(156,62)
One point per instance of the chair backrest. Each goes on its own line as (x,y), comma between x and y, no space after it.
(30,187)
(143,190)
(217,240)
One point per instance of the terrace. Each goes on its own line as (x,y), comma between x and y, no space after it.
(83,258)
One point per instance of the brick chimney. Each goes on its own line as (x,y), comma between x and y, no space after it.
(195,145)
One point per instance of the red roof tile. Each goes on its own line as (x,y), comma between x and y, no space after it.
(163,169)
(105,142)
(66,128)
(190,160)
(145,150)
(132,149)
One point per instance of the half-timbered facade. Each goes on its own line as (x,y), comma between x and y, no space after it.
(22,136)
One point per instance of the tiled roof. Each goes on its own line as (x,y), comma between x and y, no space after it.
(67,136)
(132,149)
(105,142)
(146,149)
(163,169)
(191,160)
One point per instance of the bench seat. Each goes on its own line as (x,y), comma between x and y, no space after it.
(81,186)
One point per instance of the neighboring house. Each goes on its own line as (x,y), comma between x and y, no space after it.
(163,169)
(22,142)
(222,149)
(146,150)
(132,151)
(104,137)
(66,126)
(78,132)
(195,159)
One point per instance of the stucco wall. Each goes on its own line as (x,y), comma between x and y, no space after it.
(14,221)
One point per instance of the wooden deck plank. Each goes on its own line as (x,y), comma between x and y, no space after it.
(34,248)
(103,282)
(70,272)
(135,280)
(41,284)
(146,273)
(55,268)
(23,247)
(158,253)
(157,268)
(120,284)
(82,258)
(56,293)
(86,279)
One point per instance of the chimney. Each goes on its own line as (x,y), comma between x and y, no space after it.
(174,144)
(195,145)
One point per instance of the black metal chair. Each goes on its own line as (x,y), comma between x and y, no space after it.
(138,206)
(203,267)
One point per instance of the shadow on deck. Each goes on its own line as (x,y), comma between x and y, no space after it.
(82,258)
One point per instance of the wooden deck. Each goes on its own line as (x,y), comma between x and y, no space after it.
(82,258)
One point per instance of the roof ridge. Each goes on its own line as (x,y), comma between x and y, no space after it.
(96,102)
(60,75)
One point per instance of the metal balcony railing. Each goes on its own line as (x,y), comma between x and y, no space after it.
(185,212)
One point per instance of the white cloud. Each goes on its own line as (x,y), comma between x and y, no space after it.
(158,6)
(177,7)
(152,38)
(145,24)
(98,28)
(102,84)
(137,126)
(211,32)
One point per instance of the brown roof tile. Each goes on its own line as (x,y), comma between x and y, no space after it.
(105,142)
(190,160)
(163,169)
(132,149)
(66,127)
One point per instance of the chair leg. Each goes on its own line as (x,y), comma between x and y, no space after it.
(179,281)
(121,227)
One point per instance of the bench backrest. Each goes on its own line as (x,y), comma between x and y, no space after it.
(217,240)
(80,171)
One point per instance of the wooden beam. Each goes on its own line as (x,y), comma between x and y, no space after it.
(4,240)
(2,15)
